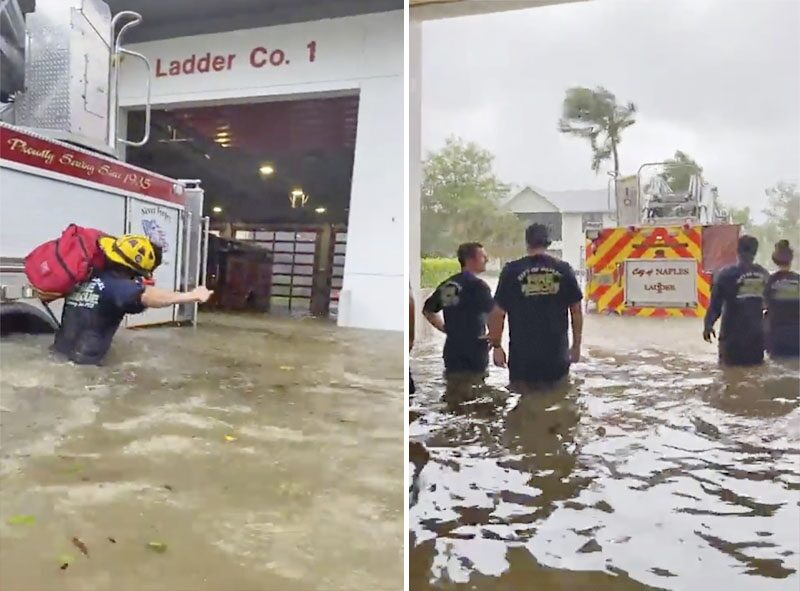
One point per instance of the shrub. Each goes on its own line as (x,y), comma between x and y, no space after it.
(436,270)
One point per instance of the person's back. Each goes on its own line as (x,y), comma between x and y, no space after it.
(782,299)
(737,296)
(539,293)
(465,301)
(536,293)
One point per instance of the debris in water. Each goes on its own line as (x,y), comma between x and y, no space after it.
(169,487)
(287,367)
(64,561)
(80,546)
(590,546)
(159,547)
(230,438)
(112,540)
(601,431)
(706,428)
(21,520)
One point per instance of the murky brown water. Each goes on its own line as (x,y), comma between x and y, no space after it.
(265,454)
(653,468)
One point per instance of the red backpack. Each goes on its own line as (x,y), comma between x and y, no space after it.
(56,267)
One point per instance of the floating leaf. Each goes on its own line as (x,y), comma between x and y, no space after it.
(230,438)
(73,468)
(64,560)
(80,546)
(159,547)
(21,520)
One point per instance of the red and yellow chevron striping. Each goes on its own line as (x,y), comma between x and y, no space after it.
(606,254)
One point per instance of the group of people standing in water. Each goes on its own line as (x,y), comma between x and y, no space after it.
(758,311)
(541,297)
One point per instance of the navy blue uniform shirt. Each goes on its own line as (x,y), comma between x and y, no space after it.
(737,295)
(466,301)
(782,298)
(92,314)
(536,292)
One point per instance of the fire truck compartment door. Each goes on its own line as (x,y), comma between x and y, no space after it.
(719,247)
(661,283)
(160,224)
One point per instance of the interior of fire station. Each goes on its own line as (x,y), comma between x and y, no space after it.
(277,178)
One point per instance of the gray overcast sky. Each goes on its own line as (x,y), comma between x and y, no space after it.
(719,79)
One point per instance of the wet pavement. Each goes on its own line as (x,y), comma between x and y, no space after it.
(651,469)
(251,454)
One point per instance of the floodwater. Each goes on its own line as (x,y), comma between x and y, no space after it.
(250,454)
(652,469)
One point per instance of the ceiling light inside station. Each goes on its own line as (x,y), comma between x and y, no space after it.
(320,210)
(266,169)
(217,209)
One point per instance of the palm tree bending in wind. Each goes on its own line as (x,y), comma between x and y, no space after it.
(595,115)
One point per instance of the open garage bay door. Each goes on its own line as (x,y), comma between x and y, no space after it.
(308,265)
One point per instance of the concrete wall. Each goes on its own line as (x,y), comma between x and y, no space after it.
(572,239)
(361,54)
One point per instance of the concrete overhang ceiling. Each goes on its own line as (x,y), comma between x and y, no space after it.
(439,9)
(165,19)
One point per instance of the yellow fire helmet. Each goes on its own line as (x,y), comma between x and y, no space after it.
(131,250)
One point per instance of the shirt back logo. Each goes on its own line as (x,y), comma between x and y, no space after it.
(539,283)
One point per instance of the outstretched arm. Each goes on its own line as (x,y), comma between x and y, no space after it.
(153,297)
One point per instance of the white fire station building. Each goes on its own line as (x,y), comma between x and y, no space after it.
(208,53)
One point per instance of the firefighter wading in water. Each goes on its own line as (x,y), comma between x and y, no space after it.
(466,301)
(539,293)
(782,299)
(94,310)
(737,294)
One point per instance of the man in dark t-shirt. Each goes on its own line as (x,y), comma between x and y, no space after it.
(737,295)
(538,293)
(94,310)
(782,299)
(465,300)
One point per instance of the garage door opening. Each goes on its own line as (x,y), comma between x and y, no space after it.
(276,175)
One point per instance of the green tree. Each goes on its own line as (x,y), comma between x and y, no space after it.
(783,210)
(741,216)
(678,170)
(462,202)
(594,114)
(782,220)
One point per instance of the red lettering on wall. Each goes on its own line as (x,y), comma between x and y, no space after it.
(195,65)
(259,57)
(255,57)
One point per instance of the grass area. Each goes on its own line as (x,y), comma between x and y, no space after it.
(436,270)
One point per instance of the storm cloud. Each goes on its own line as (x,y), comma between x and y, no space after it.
(718,79)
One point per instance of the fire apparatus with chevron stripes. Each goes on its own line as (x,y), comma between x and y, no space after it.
(660,257)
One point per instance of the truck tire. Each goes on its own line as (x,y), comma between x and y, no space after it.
(21,318)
